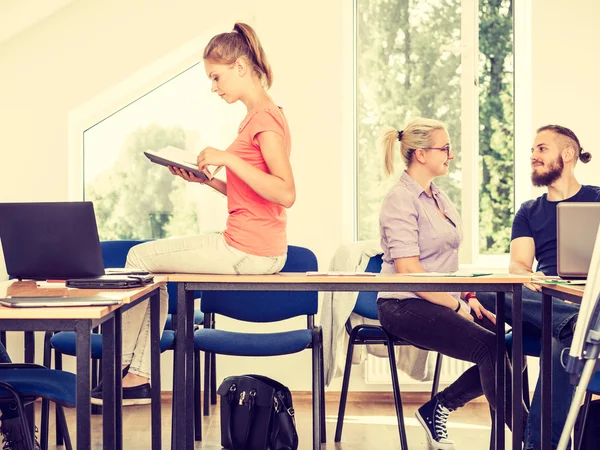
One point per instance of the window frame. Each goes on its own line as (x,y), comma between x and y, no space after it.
(469,255)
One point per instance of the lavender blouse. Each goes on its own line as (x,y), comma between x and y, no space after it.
(410,225)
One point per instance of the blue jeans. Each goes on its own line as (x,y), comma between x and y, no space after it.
(563,315)
(4,358)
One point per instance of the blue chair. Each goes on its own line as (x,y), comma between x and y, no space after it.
(269,306)
(114,254)
(366,306)
(21,384)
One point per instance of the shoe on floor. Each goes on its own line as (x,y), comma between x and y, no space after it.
(433,416)
(98,387)
(11,435)
(137,395)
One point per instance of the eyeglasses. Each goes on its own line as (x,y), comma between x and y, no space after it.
(446,149)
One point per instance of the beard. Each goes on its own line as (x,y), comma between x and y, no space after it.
(555,170)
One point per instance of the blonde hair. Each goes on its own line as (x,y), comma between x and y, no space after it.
(226,48)
(416,134)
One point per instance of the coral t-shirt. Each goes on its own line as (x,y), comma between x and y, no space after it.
(255,225)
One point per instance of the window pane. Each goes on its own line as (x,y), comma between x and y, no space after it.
(136,199)
(496,126)
(408,65)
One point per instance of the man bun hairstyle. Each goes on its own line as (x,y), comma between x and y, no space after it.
(582,155)
(242,42)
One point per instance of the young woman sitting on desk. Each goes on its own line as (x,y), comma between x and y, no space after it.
(259,188)
(421,232)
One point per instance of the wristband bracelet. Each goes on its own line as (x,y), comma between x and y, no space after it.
(470,295)
(458,307)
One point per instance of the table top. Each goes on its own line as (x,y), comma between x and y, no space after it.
(577,290)
(30,289)
(303,278)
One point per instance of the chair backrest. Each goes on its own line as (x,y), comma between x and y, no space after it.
(267,306)
(114,254)
(366,302)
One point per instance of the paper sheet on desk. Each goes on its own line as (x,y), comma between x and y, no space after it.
(50,284)
(448,274)
(342,274)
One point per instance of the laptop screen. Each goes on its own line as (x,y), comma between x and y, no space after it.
(577,226)
(50,240)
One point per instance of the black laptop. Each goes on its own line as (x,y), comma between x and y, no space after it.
(57,240)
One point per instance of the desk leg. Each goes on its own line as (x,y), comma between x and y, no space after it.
(29,357)
(155,368)
(118,378)
(500,370)
(517,360)
(108,385)
(546,377)
(180,359)
(84,410)
(189,361)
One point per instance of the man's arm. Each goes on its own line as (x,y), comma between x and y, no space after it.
(522,253)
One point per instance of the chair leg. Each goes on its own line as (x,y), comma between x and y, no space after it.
(436,375)
(345,384)
(58,366)
(197,398)
(207,377)
(586,408)
(213,379)
(322,395)
(173,405)
(60,412)
(493,432)
(317,342)
(26,430)
(396,388)
(96,377)
(44,424)
(525,384)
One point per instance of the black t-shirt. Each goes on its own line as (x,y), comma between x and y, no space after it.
(537,219)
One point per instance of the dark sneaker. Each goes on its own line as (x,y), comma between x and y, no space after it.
(137,395)
(433,416)
(11,435)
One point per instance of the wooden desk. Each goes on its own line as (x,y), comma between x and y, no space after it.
(564,292)
(499,284)
(82,320)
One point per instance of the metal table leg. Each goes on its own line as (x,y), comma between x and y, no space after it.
(155,369)
(84,410)
(500,372)
(517,360)
(546,379)
(108,385)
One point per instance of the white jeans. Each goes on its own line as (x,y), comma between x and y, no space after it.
(207,253)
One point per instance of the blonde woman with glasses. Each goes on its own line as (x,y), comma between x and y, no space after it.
(421,232)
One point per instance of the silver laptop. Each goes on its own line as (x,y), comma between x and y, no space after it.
(576,229)
(56,302)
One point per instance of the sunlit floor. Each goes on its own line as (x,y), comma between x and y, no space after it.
(367,426)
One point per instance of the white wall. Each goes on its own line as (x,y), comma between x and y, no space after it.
(82,51)
(58,65)
(566,74)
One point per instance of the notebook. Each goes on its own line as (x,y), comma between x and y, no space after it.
(110,282)
(56,302)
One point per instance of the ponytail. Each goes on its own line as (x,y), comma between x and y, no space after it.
(226,48)
(416,134)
